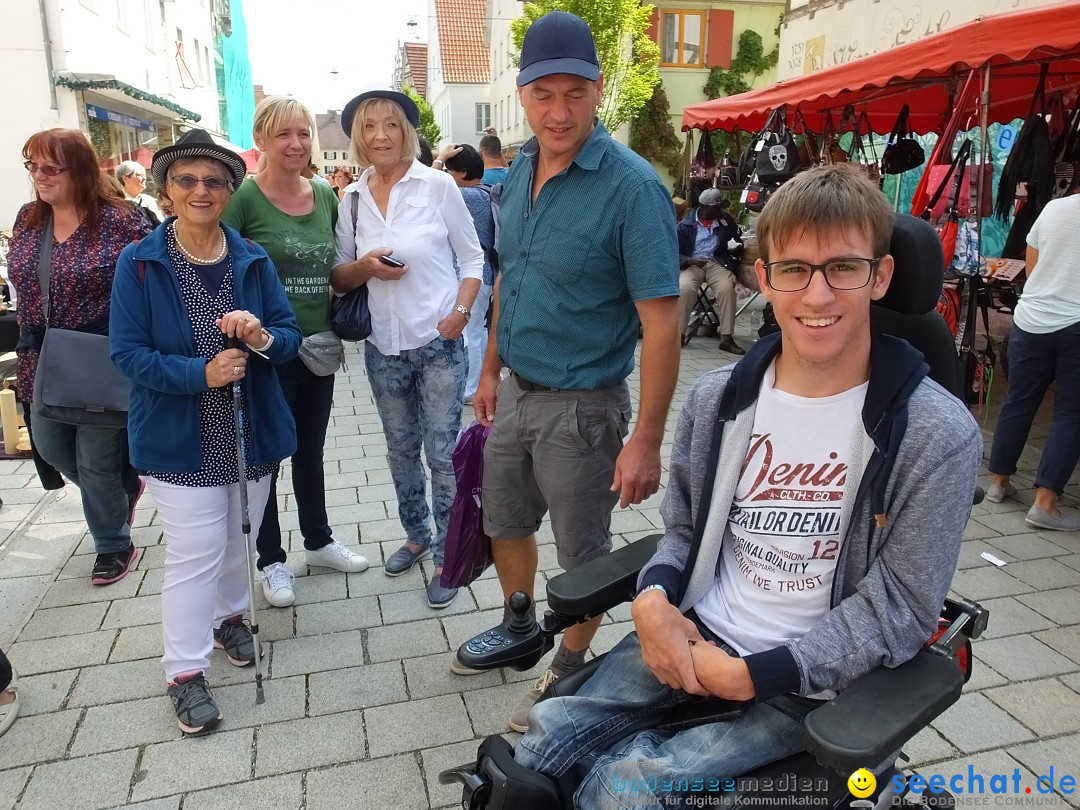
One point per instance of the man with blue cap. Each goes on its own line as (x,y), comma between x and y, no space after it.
(587,251)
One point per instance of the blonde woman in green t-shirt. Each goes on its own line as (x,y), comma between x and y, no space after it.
(293,219)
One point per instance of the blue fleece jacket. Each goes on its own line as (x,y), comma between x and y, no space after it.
(902,521)
(153,344)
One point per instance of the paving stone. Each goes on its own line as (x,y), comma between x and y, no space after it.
(412,606)
(222,758)
(441,759)
(487,593)
(378,531)
(381,783)
(928,746)
(1026,546)
(134,643)
(332,739)
(297,656)
(1073,561)
(43,693)
(430,675)
(970,551)
(81,592)
(133,612)
(151,584)
(1072,681)
(43,738)
(356,688)
(489,709)
(126,725)
(1047,707)
(64,621)
(167,803)
(987,583)
(608,635)
(394,728)
(422,638)
(275,624)
(983,676)
(973,723)
(320,587)
(19,599)
(12,782)
(342,614)
(1005,523)
(62,653)
(1060,606)
(978,531)
(1021,659)
(85,783)
(1045,574)
(1066,640)
(277,791)
(113,683)
(285,700)
(1008,617)
(1062,752)
(986,765)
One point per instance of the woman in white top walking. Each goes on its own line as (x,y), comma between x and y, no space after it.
(397,231)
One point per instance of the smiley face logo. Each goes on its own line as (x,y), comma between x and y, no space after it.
(861,783)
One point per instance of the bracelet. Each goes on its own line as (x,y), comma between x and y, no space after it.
(268,344)
(436,160)
(464,310)
(653,587)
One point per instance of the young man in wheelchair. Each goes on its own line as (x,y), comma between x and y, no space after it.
(817,499)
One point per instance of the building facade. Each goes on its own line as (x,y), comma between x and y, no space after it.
(410,67)
(458,71)
(503,110)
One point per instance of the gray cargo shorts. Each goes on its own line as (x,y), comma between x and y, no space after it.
(555,451)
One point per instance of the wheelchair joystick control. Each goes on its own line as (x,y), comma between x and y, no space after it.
(521,621)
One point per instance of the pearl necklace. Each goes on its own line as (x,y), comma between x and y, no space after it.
(191,257)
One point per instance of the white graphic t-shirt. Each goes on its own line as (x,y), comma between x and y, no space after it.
(783,538)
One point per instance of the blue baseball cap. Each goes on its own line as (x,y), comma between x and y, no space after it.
(558,42)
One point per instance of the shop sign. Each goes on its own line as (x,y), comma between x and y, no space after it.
(113,117)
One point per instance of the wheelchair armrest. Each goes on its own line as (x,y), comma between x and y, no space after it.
(603,583)
(874,717)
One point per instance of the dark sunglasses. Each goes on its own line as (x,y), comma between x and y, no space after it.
(187,182)
(45,168)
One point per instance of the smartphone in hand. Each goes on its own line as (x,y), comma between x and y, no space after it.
(390,260)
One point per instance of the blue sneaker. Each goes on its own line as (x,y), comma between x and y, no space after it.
(402,560)
(439,597)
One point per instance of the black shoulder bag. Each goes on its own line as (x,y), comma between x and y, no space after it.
(902,152)
(76,381)
(350,318)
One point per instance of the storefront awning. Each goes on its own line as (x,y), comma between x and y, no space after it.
(1013,44)
(110,86)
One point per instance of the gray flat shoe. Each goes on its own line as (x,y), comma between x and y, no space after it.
(402,560)
(1068,521)
(439,597)
(995,493)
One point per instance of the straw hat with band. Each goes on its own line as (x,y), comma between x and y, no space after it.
(192,145)
(408,106)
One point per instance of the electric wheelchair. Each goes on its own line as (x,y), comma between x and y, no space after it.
(866,724)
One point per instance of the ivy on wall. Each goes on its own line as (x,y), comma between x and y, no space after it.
(653,137)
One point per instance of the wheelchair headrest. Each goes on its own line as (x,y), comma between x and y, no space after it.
(918,258)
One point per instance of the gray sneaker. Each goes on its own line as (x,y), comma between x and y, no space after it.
(1066,521)
(519,717)
(196,711)
(439,597)
(235,639)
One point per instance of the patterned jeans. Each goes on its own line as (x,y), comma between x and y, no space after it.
(419,394)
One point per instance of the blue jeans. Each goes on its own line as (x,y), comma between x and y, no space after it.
(418,394)
(608,740)
(476,335)
(95,459)
(1035,361)
(310,398)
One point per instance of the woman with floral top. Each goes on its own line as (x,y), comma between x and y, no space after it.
(88,226)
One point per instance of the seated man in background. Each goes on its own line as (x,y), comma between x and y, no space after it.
(709,243)
(817,498)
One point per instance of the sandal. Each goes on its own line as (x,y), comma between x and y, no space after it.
(9,711)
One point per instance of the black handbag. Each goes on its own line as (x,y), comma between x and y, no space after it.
(902,152)
(757,193)
(977,365)
(350,318)
(777,156)
(704,162)
(76,381)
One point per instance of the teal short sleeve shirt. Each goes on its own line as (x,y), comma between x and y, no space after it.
(600,236)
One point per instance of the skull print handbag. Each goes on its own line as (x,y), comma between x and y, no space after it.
(778,157)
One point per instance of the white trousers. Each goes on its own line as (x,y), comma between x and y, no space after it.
(206,575)
(476,338)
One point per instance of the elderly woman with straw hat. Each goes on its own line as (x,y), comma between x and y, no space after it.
(399,229)
(196,309)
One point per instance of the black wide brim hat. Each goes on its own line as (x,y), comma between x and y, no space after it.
(408,106)
(194,144)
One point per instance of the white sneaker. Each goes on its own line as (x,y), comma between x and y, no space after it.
(338,557)
(278,585)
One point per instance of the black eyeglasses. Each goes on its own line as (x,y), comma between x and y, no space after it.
(187,182)
(45,168)
(840,274)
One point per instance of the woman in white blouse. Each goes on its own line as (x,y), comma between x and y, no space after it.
(398,230)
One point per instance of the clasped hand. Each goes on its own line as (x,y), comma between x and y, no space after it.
(230,365)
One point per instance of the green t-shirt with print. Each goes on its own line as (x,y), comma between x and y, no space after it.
(301,247)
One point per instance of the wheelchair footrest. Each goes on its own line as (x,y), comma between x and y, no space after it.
(498,781)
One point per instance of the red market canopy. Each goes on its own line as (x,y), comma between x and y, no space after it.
(921,75)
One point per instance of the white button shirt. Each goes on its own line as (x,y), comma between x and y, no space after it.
(426,223)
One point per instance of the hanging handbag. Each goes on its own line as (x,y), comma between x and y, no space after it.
(808,146)
(902,152)
(950,224)
(704,161)
(831,150)
(777,157)
(350,318)
(858,156)
(977,364)
(76,381)
(942,147)
(947,182)
(756,194)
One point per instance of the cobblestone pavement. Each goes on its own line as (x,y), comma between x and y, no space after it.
(361,708)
